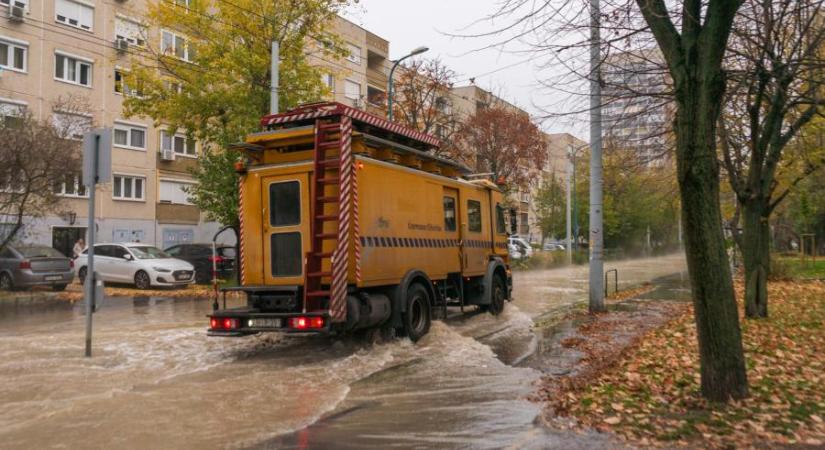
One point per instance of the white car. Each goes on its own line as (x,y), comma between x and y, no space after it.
(524,248)
(139,264)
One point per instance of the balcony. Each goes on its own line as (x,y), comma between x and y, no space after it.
(180,164)
(177,214)
(377,77)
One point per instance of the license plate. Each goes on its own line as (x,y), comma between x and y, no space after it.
(54,277)
(183,277)
(265,323)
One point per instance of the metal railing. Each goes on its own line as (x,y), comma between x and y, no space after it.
(615,281)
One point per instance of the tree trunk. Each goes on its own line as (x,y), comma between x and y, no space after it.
(756,257)
(717,322)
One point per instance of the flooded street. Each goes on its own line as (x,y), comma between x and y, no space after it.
(157,381)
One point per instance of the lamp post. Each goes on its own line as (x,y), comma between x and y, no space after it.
(417,51)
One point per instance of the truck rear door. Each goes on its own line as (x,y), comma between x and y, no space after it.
(285,218)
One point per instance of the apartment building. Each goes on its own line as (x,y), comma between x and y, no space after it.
(635,116)
(52,50)
(360,79)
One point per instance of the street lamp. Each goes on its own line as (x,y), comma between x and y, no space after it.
(417,51)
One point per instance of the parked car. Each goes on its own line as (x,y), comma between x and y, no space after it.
(552,247)
(200,256)
(139,264)
(523,247)
(34,265)
(514,251)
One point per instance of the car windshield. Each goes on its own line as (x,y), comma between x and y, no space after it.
(148,253)
(39,252)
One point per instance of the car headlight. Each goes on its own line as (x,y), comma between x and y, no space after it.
(161,269)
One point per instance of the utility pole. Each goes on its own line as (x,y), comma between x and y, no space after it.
(568,209)
(273,84)
(596,241)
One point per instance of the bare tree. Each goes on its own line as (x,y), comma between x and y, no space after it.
(36,157)
(422,102)
(775,66)
(691,36)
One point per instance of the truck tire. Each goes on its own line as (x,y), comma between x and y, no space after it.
(498,296)
(417,318)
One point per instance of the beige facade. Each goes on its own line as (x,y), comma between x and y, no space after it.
(359,79)
(67,48)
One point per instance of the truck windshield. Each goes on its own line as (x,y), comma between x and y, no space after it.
(148,253)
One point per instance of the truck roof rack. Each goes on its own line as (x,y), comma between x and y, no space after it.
(362,121)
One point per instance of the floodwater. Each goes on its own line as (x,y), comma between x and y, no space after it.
(157,381)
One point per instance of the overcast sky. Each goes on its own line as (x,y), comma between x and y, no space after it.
(410,24)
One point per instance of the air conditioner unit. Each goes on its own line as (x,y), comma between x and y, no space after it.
(121,45)
(167,154)
(17,12)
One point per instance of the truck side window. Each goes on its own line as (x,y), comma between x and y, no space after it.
(285,204)
(449,214)
(474,215)
(500,224)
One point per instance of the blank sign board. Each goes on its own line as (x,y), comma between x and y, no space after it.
(98,140)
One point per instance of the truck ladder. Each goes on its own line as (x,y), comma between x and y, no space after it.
(331,199)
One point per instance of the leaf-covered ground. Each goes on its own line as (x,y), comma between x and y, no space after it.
(74,292)
(649,393)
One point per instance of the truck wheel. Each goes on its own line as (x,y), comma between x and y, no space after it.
(81,274)
(417,318)
(6,283)
(498,296)
(142,280)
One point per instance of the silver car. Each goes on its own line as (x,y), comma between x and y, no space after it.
(25,266)
(139,264)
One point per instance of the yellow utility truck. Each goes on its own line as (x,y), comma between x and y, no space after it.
(349,221)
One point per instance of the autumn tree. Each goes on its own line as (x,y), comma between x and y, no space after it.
(421,100)
(550,206)
(209,75)
(775,72)
(503,142)
(35,157)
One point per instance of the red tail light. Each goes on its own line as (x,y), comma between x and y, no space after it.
(25,264)
(71,264)
(216,323)
(216,259)
(306,323)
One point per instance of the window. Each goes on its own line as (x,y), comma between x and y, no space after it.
(329,81)
(72,70)
(474,216)
(376,96)
(129,136)
(131,31)
(173,45)
(179,144)
(352,90)
(20,3)
(126,85)
(174,192)
(173,86)
(127,187)
(11,110)
(286,254)
(13,55)
(71,126)
(285,204)
(72,186)
(449,214)
(74,14)
(354,55)
(501,227)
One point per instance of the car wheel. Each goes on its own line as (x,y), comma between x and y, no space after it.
(59,287)
(417,319)
(81,274)
(142,280)
(6,283)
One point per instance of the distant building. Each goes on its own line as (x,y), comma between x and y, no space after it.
(635,116)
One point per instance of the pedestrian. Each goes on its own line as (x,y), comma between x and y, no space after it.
(79,246)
